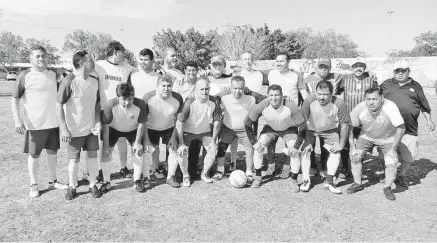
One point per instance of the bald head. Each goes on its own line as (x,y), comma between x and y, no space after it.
(202,89)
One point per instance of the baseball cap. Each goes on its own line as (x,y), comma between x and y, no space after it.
(326,62)
(218,58)
(402,64)
(359,63)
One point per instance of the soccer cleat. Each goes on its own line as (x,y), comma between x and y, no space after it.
(256,181)
(106,186)
(146,183)
(172,182)
(158,173)
(56,185)
(71,193)
(218,176)
(99,177)
(401,181)
(186,182)
(305,187)
(389,193)
(34,192)
(125,173)
(331,187)
(285,172)
(206,178)
(270,170)
(95,192)
(354,188)
(138,185)
(294,186)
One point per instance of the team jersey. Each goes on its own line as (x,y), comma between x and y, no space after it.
(380,125)
(198,117)
(79,97)
(124,119)
(162,114)
(291,83)
(38,92)
(172,72)
(323,118)
(254,79)
(184,87)
(143,82)
(312,80)
(236,110)
(219,84)
(353,89)
(110,75)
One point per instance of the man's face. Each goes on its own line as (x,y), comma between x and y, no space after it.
(402,74)
(374,101)
(275,98)
(202,89)
(191,72)
(88,64)
(323,70)
(171,59)
(324,96)
(164,89)
(247,61)
(237,88)
(125,102)
(217,68)
(38,59)
(281,63)
(146,63)
(119,56)
(358,70)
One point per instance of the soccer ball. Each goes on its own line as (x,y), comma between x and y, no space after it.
(238,178)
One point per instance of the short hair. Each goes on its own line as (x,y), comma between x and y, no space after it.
(284,54)
(78,58)
(38,48)
(191,64)
(125,90)
(274,87)
(164,78)
(325,85)
(372,90)
(238,78)
(114,46)
(147,52)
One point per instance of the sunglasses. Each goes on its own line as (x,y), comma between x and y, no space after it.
(402,70)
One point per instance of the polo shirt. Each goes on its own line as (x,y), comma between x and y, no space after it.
(124,119)
(291,83)
(198,117)
(236,110)
(254,79)
(162,114)
(143,82)
(183,87)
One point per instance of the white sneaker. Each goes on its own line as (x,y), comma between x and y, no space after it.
(57,185)
(186,182)
(34,192)
(206,178)
(332,188)
(305,186)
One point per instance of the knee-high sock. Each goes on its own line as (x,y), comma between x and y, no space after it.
(356,171)
(234,148)
(32,166)
(295,163)
(73,167)
(390,175)
(172,164)
(306,164)
(220,165)
(106,171)
(85,164)
(155,158)
(183,164)
(122,151)
(92,168)
(333,162)
(146,165)
(138,167)
(257,160)
(249,160)
(51,165)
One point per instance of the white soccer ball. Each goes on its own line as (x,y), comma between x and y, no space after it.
(238,178)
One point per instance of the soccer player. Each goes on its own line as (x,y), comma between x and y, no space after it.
(144,79)
(408,95)
(163,106)
(78,111)
(236,106)
(170,62)
(283,119)
(125,117)
(37,87)
(199,115)
(186,85)
(383,127)
(323,111)
(219,80)
(112,72)
(254,79)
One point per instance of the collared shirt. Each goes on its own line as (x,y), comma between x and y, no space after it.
(198,117)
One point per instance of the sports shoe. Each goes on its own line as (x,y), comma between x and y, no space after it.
(331,187)
(71,193)
(34,192)
(354,188)
(186,182)
(389,194)
(172,182)
(249,178)
(138,185)
(256,181)
(56,185)
(95,192)
(285,172)
(305,186)
(158,174)
(106,186)
(146,183)
(218,176)
(294,186)
(205,178)
(99,177)
(401,181)
(125,173)
(270,170)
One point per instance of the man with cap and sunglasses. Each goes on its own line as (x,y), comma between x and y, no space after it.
(408,95)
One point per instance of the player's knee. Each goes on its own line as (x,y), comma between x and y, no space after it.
(75,160)
(92,154)
(34,156)
(391,162)
(50,151)
(265,139)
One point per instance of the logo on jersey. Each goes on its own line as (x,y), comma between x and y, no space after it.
(132,117)
(110,77)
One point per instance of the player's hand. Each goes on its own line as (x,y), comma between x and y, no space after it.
(259,147)
(430,125)
(335,148)
(149,149)
(97,128)
(138,150)
(65,136)
(106,154)
(212,146)
(182,150)
(173,144)
(19,128)
(355,155)
(292,151)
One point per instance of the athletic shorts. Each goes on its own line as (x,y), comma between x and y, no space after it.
(205,138)
(87,143)
(155,135)
(330,136)
(408,148)
(288,135)
(37,140)
(227,136)
(114,135)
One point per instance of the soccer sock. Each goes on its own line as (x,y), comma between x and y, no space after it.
(73,167)
(122,152)
(330,179)
(106,171)
(306,165)
(138,167)
(294,176)
(390,175)
(333,162)
(51,165)
(146,165)
(32,165)
(85,164)
(172,164)
(221,166)
(183,163)
(356,171)
(155,158)
(93,171)
(258,160)
(258,172)
(234,147)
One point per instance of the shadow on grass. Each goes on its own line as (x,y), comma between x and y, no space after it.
(419,170)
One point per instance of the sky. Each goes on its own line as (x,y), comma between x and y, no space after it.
(134,22)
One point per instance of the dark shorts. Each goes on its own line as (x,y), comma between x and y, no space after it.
(114,135)
(87,143)
(204,138)
(330,136)
(37,140)
(288,135)
(227,136)
(155,135)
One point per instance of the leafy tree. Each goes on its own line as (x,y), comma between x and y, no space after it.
(426,45)
(11,47)
(52,51)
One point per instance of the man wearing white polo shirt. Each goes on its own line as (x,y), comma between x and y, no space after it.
(144,80)
(254,79)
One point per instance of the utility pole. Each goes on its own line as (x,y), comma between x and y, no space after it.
(390,12)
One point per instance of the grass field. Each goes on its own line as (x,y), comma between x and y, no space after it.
(215,212)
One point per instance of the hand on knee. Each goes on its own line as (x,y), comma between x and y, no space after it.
(92,154)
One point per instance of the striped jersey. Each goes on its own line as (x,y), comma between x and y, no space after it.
(353,89)
(312,80)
